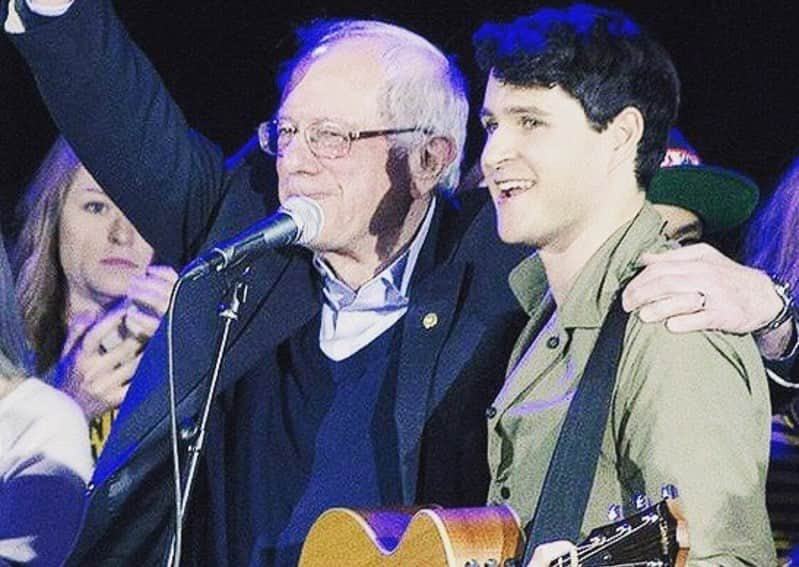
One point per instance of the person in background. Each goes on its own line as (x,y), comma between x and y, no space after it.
(772,246)
(697,200)
(90,296)
(44,451)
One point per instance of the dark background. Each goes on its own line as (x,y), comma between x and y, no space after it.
(737,60)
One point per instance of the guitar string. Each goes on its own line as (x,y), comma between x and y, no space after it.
(644,563)
(645,549)
(636,564)
(588,550)
(651,548)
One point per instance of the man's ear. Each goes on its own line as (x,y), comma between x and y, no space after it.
(430,161)
(626,130)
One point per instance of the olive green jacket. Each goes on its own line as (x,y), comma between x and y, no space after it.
(688,409)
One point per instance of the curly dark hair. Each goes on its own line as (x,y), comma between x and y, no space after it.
(600,57)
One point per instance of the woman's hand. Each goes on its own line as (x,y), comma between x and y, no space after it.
(94,376)
(148,299)
(101,354)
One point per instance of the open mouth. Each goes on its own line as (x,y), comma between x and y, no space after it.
(512,187)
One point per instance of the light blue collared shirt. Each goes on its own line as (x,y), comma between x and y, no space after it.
(353,319)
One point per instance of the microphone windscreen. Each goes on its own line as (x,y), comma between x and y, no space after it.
(307,215)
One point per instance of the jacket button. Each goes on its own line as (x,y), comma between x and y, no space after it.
(188,430)
(504,492)
(553,342)
(491,412)
(89,489)
(430,320)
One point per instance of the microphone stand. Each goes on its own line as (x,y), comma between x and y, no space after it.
(228,313)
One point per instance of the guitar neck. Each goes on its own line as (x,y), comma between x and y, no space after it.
(655,537)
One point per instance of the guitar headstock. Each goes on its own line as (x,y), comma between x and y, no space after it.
(656,536)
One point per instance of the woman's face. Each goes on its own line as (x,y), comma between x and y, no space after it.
(99,248)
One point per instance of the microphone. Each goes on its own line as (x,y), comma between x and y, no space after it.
(298,221)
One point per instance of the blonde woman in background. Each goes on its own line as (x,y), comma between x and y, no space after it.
(772,245)
(88,291)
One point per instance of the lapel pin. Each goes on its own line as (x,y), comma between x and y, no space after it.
(430,320)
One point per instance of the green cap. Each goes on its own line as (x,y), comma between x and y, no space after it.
(721,198)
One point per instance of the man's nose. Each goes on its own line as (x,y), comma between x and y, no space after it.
(296,157)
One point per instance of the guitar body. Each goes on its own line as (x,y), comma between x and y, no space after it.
(484,537)
(429,538)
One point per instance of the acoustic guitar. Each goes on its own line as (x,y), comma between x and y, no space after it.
(484,537)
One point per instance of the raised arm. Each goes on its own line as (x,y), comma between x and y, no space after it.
(112,106)
(698,288)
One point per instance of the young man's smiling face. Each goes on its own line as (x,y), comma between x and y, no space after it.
(544,163)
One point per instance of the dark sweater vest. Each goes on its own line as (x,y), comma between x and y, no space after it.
(351,442)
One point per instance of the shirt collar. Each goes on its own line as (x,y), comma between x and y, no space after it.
(611,266)
(389,288)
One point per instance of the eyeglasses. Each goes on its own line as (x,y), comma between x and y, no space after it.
(325,138)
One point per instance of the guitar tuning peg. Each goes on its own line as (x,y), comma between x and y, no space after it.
(669,491)
(615,513)
(641,501)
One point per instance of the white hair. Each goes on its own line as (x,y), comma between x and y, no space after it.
(423,88)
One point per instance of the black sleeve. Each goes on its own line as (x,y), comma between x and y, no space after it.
(110,103)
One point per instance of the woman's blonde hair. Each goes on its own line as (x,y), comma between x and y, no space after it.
(771,242)
(41,284)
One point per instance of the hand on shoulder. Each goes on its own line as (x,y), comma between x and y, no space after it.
(697,288)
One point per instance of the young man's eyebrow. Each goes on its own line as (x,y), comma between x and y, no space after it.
(529,109)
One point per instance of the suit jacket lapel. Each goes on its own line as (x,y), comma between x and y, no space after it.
(426,326)
(433,300)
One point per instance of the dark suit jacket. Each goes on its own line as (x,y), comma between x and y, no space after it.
(174,186)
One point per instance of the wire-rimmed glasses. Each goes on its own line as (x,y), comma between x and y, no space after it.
(325,138)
